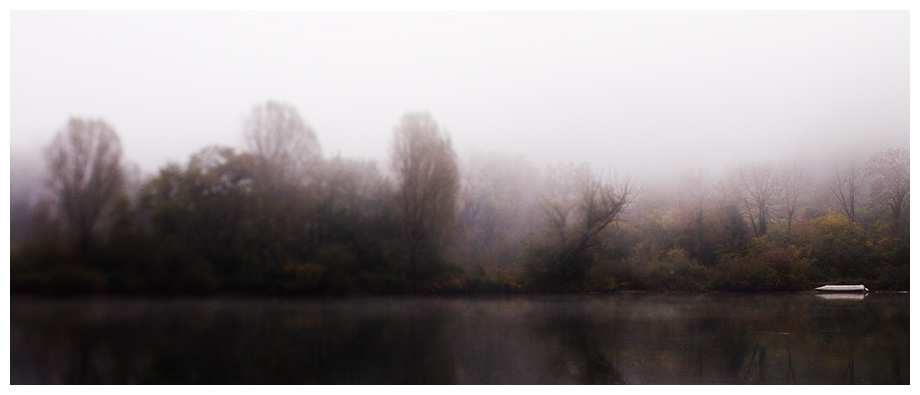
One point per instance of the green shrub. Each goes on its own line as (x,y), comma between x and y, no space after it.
(378,283)
(336,257)
(557,266)
(29,282)
(791,268)
(738,274)
(653,268)
(676,271)
(837,246)
(302,277)
(71,279)
(892,278)
(605,276)
(197,277)
(490,284)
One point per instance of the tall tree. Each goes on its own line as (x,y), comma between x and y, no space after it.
(756,187)
(845,186)
(286,146)
(793,185)
(695,198)
(890,187)
(85,176)
(428,178)
(287,179)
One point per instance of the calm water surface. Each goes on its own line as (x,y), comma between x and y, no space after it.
(629,339)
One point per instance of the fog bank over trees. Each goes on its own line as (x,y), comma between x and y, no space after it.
(518,151)
(279,216)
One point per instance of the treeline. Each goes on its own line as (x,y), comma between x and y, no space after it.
(279,217)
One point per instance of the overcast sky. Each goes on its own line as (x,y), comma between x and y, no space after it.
(647,93)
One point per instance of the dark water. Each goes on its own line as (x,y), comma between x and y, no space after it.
(631,339)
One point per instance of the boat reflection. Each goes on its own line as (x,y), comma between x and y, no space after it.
(842,296)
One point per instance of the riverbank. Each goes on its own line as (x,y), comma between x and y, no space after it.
(75,281)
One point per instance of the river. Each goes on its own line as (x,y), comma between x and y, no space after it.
(716,338)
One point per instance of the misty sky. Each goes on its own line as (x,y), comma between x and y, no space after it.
(647,93)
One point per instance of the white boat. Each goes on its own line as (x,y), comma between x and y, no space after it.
(842,288)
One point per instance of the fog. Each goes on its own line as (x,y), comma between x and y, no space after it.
(650,94)
(439,152)
(543,174)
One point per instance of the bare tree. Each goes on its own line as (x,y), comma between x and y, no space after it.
(696,196)
(85,176)
(428,178)
(756,187)
(578,208)
(286,146)
(793,185)
(845,186)
(890,172)
(601,199)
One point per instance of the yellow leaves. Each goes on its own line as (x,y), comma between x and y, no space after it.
(837,226)
(678,254)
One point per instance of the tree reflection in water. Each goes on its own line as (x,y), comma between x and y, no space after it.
(632,339)
(582,350)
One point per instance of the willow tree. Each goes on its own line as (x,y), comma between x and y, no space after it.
(85,176)
(428,178)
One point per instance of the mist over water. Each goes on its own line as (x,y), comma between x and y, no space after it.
(626,339)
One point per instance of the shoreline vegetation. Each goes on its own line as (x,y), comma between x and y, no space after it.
(279,218)
(229,295)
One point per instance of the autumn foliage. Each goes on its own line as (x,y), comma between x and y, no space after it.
(279,217)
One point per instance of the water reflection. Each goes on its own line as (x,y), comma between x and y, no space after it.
(581,350)
(631,339)
(842,296)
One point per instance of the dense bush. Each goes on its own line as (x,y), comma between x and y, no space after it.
(838,247)
(791,267)
(738,274)
(557,267)
(891,278)
(60,279)
(302,277)
(652,268)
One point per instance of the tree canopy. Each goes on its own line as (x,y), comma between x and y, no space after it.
(85,176)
